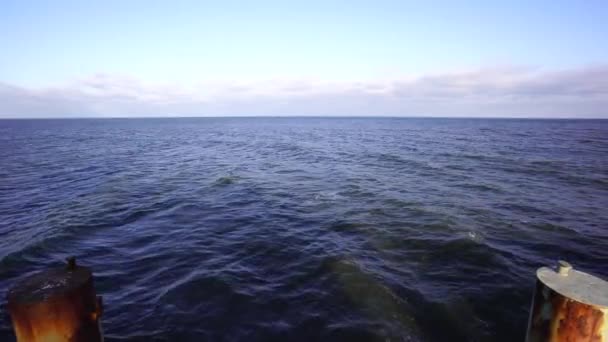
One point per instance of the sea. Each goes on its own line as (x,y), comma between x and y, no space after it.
(304,229)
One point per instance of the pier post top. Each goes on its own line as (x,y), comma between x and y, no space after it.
(576,285)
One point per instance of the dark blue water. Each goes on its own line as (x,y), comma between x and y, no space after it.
(305,229)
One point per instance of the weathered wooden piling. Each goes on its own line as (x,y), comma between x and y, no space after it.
(568,306)
(56,305)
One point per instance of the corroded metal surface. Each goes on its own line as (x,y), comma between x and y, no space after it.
(56,305)
(568,306)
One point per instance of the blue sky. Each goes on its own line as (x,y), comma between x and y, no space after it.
(130,58)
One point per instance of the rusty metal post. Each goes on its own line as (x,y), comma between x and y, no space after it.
(568,306)
(56,305)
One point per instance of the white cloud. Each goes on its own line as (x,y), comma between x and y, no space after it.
(512,92)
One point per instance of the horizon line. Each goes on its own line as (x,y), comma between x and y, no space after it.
(304,117)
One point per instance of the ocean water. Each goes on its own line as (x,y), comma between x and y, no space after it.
(303,229)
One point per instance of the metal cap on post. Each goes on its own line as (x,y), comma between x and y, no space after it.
(56,305)
(568,305)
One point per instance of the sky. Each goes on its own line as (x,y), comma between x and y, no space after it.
(361,58)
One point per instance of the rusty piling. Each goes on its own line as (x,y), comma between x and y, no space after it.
(568,305)
(56,305)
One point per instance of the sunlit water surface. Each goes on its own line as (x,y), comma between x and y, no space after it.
(303,229)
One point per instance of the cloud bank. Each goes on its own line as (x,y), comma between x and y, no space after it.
(498,92)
